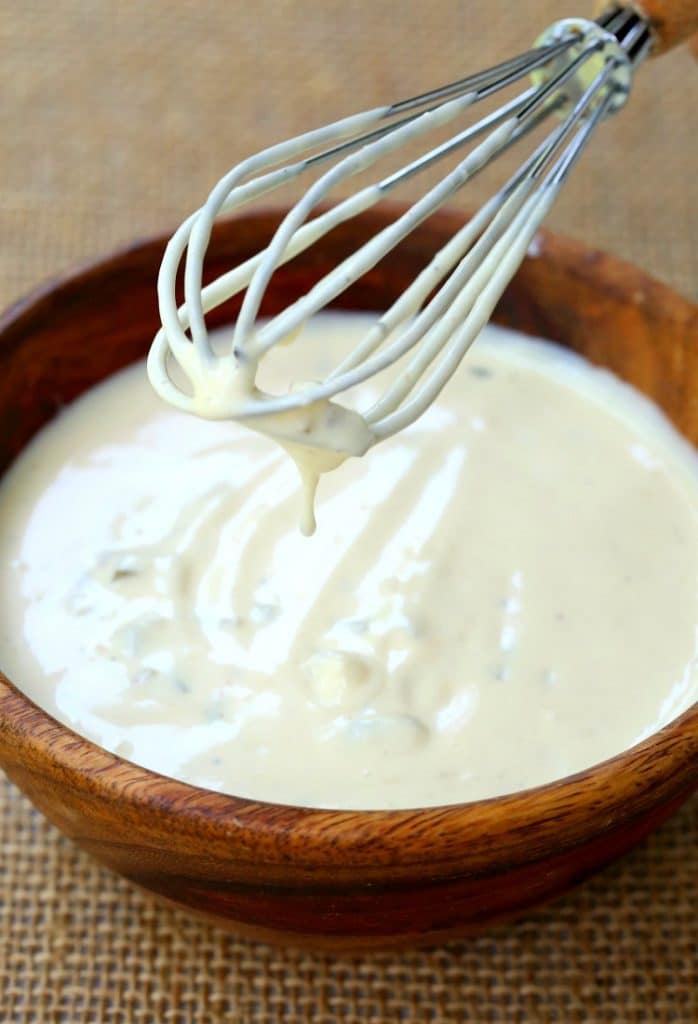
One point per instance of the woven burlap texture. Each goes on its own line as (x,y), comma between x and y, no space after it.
(116,119)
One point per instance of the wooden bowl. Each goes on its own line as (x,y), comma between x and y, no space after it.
(338,878)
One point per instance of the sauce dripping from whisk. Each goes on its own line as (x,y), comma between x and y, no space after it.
(318,437)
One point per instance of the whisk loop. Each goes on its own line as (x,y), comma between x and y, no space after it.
(581,72)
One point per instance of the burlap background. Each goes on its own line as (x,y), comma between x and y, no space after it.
(116,118)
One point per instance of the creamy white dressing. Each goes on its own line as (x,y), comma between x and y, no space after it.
(502,594)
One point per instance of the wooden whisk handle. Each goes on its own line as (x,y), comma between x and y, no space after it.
(672,21)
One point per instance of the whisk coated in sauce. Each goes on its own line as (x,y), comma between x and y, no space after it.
(581,71)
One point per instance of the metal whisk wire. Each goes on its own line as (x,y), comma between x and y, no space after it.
(585,68)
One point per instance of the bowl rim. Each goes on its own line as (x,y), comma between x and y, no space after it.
(478,835)
(566,812)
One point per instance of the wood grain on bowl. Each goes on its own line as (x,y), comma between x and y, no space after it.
(338,878)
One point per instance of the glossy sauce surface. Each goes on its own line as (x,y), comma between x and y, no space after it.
(501,595)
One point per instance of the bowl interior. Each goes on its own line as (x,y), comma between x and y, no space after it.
(343,879)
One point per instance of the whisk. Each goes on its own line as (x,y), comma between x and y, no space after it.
(580,72)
